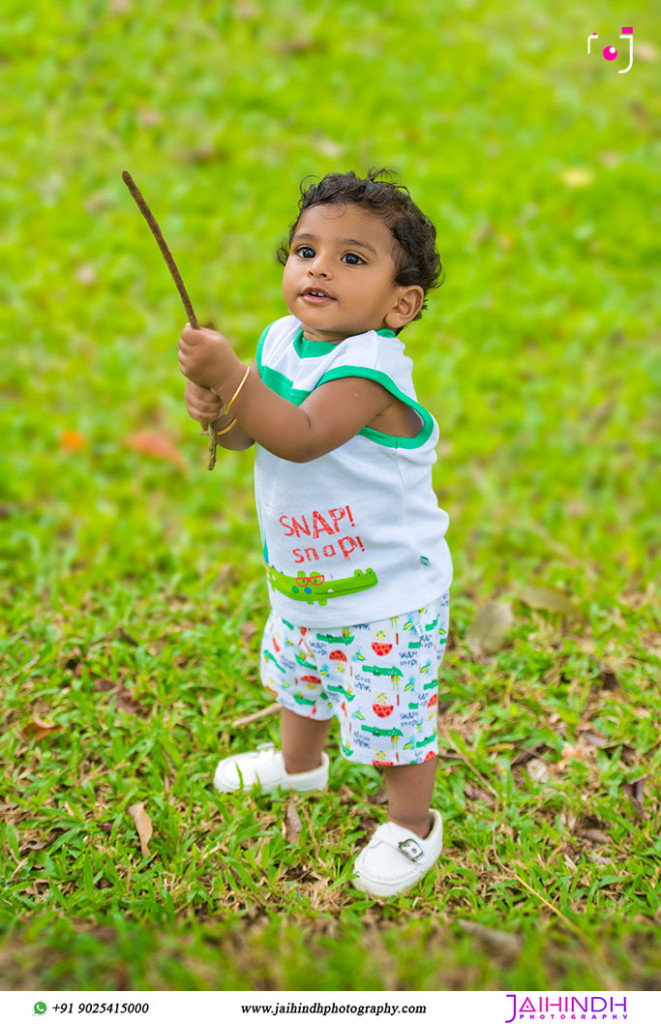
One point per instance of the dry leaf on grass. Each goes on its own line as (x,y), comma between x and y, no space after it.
(72,441)
(157,446)
(568,753)
(547,599)
(486,634)
(473,793)
(39,844)
(126,637)
(606,674)
(527,754)
(36,729)
(226,575)
(302,44)
(292,825)
(588,734)
(592,828)
(123,698)
(499,943)
(634,791)
(595,835)
(537,770)
(628,754)
(143,825)
(248,630)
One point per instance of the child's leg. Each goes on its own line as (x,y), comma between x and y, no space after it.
(409,788)
(303,740)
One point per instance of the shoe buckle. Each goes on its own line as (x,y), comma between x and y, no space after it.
(411,849)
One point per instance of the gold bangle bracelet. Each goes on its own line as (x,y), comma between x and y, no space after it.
(225,429)
(236,393)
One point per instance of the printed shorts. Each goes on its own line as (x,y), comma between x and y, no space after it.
(380,679)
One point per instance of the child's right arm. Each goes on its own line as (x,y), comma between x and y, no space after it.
(205,407)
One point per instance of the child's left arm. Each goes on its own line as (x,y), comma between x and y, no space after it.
(328,418)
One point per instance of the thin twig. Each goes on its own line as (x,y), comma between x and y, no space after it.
(472,767)
(270,710)
(508,870)
(24,668)
(172,266)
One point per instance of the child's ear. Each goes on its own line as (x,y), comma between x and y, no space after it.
(407,306)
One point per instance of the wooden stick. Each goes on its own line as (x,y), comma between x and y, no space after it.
(172,266)
(271,709)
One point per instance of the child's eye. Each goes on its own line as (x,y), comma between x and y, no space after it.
(353,259)
(306,251)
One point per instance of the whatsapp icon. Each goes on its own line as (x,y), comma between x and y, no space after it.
(40,1008)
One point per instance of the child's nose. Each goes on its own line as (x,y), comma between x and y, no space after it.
(319,266)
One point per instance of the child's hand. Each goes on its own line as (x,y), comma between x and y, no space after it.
(202,404)
(205,356)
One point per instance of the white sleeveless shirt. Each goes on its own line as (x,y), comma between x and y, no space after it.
(354,535)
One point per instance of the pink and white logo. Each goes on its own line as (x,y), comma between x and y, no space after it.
(610,53)
(586,1006)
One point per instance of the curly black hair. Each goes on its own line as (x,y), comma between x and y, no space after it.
(415,255)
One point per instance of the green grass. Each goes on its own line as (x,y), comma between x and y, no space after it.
(134,595)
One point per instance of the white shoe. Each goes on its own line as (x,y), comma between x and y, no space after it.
(396,858)
(265,767)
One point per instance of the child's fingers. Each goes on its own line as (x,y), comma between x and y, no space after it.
(191,335)
(201,397)
(196,335)
(211,407)
(187,356)
(201,410)
(198,392)
(211,412)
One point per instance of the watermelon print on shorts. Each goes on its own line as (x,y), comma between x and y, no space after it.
(379,679)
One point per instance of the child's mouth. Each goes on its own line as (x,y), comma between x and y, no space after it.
(316,296)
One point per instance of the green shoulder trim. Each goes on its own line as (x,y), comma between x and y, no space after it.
(283,386)
(388,440)
(260,347)
(310,349)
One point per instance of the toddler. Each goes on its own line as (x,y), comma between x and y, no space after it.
(357,565)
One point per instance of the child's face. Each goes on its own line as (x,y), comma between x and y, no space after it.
(345,252)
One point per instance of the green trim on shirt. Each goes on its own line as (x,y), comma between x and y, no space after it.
(309,348)
(283,386)
(389,440)
(260,346)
